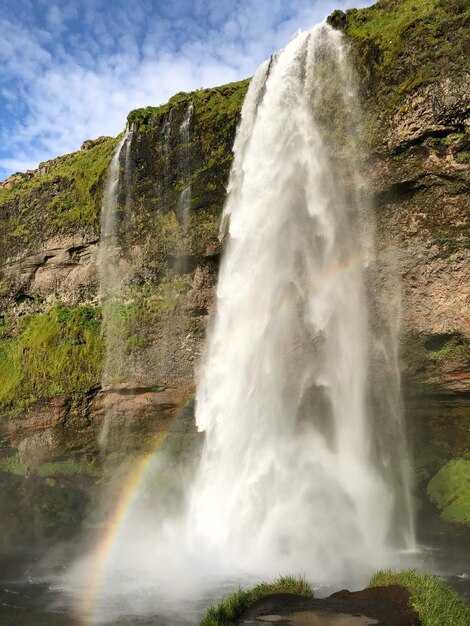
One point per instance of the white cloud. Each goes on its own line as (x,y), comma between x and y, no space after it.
(79,78)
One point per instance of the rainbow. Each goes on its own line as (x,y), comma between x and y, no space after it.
(114,525)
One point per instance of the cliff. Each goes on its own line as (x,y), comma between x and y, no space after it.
(412,62)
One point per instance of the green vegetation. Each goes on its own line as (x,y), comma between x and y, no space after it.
(145,306)
(434,601)
(66,195)
(449,490)
(431,355)
(68,468)
(229,611)
(207,103)
(56,353)
(454,352)
(400,45)
(203,162)
(82,467)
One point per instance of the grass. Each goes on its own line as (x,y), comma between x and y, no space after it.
(449,490)
(207,102)
(13,465)
(68,468)
(400,45)
(65,198)
(434,601)
(58,353)
(227,612)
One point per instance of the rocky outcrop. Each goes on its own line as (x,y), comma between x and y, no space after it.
(377,605)
(434,110)
(66,272)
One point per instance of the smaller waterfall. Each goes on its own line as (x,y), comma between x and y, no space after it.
(112,275)
(128,169)
(183,206)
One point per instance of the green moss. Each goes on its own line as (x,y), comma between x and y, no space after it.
(207,103)
(66,197)
(70,467)
(164,167)
(56,353)
(434,601)
(454,351)
(228,612)
(428,356)
(134,322)
(449,490)
(400,45)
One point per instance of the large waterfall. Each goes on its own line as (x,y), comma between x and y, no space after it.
(292,476)
(303,469)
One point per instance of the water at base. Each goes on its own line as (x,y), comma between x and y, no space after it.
(28,596)
(304,466)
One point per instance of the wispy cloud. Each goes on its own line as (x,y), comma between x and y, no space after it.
(71,71)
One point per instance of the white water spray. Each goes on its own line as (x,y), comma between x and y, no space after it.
(289,480)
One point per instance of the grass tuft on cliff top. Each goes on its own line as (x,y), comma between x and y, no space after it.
(228,611)
(400,45)
(434,601)
(205,101)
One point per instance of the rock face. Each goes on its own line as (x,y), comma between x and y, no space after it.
(412,61)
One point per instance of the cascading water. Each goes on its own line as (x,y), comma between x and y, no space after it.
(183,204)
(298,393)
(290,480)
(184,200)
(111,274)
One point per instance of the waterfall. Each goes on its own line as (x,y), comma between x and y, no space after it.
(304,468)
(295,475)
(183,205)
(110,268)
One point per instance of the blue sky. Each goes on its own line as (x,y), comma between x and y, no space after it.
(72,70)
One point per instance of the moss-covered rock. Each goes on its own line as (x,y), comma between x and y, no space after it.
(434,601)
(449,490)
(183,144)
(58,353)
(61,196)
(401,46)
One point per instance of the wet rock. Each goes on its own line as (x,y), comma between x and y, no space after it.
(337,19)
(432,110)
(91,143)
(387,606)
